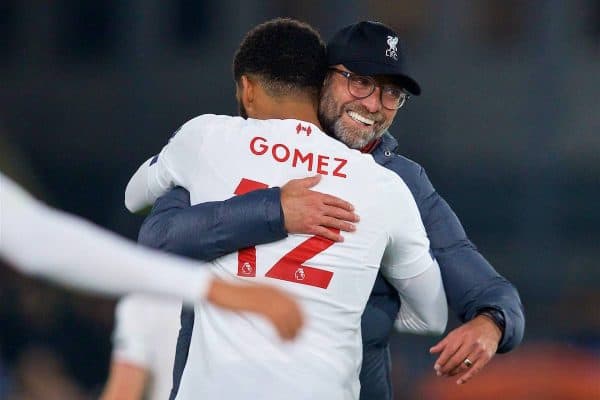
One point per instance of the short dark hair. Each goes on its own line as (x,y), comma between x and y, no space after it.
(286,55)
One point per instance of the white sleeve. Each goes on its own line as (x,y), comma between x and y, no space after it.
(174,166)
(38,240)
(423,307)
(137,195)
(409,266)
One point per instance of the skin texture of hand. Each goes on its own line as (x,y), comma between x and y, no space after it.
(314,213)
(275,305)
(476,340)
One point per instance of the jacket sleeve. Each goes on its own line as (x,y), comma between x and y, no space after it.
(471,283)
(209,230)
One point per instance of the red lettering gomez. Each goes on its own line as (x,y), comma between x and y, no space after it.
(320,163)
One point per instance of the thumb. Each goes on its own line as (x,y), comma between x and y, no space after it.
(310,181)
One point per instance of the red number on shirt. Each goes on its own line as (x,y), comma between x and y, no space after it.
(290,267)
(247,256)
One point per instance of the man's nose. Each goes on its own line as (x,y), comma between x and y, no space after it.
(373,102)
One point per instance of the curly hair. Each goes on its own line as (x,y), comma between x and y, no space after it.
(286,55)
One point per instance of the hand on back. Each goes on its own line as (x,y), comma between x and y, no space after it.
(314,213)
(275,305)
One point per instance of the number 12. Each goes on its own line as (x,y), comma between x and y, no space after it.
(290,267)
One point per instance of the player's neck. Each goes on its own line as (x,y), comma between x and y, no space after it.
(293,109)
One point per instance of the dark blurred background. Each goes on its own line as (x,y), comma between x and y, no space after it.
(507,127)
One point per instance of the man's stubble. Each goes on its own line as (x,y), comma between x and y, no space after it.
(331,113)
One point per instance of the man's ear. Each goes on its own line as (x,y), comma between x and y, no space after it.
(247,91)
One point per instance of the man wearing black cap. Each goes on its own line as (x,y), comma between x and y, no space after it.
(365,87)
(364,58)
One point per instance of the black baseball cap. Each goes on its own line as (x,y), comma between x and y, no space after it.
(370,48)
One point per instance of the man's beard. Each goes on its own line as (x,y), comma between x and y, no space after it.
(330,116)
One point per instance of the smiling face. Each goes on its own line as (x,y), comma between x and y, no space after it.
(355,122)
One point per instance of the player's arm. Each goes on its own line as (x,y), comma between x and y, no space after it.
(424,309)
(138,197)
(209,230)
(411,269)
(44,242)
(175,165)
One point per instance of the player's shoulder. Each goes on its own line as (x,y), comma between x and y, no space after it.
(199,129)
(391,181)
(207,122)
(396,177)
(223,124)
(385,187)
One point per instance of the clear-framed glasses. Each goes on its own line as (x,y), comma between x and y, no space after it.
(361,87)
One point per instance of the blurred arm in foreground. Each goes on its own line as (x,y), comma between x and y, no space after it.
(40,241)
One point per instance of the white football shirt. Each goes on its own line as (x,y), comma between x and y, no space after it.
(214,157)
(145,335)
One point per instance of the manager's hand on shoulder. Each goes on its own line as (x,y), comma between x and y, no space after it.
(315,213)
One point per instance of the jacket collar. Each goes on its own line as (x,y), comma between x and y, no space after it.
(383,151)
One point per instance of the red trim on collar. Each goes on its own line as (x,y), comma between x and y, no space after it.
(370,146)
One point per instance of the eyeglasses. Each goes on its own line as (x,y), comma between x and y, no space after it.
(361,87)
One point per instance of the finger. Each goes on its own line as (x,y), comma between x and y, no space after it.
(282,332)
(340,213)
(448,352)
(330,222)
(300,320)
(439,346)
(290,331)
(327,234)
(279,327)
(297,325)
(308,182)
(336,202)
(456,360)
(461,368)
(474,370)
(285,326)
(294,323)
(477,366)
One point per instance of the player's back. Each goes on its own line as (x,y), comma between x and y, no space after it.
(226,156)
